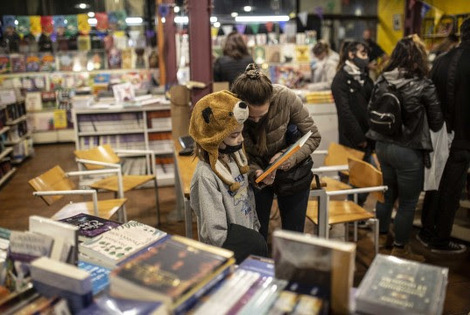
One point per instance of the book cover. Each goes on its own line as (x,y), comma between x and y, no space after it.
(273,54)
(32,62)
(96,60)
(90,226)
(397,286)
(47,62)
(4,64)
(99,276)
(108,305)
(291,150)
(259,54)
(114,246)
(65,61)
(171,272)
(17,63)
(126,55)
(302,53)
(315,266)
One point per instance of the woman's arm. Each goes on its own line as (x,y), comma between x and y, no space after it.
(432,106)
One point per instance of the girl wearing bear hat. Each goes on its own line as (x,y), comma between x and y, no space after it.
(220,193)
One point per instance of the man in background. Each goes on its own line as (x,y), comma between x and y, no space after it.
(450,74)
(377,56)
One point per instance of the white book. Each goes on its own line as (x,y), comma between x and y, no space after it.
(114,246)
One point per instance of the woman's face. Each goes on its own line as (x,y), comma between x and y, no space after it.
(233,139)
(361,53)
(258,112)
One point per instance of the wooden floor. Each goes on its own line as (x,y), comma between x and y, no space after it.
(17,204)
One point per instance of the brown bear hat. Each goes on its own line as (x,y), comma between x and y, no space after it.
(214,118)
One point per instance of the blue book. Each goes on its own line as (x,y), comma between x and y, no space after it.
(112,305)
(262,265)
(99,276)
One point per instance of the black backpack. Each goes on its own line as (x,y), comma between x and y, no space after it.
(384,110)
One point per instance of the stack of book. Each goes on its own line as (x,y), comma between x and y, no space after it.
(90,226)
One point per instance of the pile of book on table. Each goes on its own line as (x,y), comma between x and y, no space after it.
(136,268)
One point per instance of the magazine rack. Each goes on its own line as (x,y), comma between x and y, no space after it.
(362,175)
(103,157)
(55,183)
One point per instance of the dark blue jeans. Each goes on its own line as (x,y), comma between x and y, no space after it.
(439,207)
(292,208)
(402,171)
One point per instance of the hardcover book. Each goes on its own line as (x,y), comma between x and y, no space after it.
(171,272)
(114,246)
(108,305)
(99,276)
(90,226)
(397,286)
(291,150)
(315,266)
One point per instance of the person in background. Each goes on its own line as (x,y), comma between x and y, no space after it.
(450,74)
(323,67)
(377,56)
(273,108)
(234,60)
(220,193)
(401,155)
(444,46)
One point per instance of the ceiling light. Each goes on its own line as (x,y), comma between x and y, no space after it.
(136,20)
(213,19)
(92,21)
(181,19)
(82,6)
(234,14)
(176,9)
(247,8)
(91,14)
(262,18)
(217,24)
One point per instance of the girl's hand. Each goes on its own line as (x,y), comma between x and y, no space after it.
(268,180)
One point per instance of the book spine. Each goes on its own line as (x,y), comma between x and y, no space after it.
(75,301)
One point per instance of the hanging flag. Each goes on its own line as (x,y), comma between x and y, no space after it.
(47,24)
(101,21)
(35,25)
(269,26)
(59,24)
(437,15)
(24,26)
(303,16)
(214,31)
(282,25)
(319,12)
(240,28)
(72,25)
(163,10)
(227,29)
(8,21)
(83,26)
(424,9)
(255,28)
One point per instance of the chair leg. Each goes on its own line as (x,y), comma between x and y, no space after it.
(157,203)
(346,232)
(355,231)
(375,230)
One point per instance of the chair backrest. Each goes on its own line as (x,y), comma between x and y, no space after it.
(102,153)
(53,180)
(363,174)
(338,154)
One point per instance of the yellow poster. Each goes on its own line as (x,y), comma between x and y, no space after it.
(60,119)
(83,25)
(35,25)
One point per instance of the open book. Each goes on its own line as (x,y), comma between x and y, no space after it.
(291,150)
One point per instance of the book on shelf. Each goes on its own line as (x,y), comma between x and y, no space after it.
(314,266)
(287,154)
(171,272)
(115,246)
(55,278)
(396,286)
(109,305)
(99,276)
(90,226)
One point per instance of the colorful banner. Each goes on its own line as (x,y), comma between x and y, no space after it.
(117,20)
(254,28)
(35,25)
(303,16)
(72,25)
(240,28)
(227,29)
(83,26)
(23,27)
(59,22)
(47,24)
(269,26)
(8,21)
(101,21)
(214,31)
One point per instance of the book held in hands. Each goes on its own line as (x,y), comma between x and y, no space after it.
(171,272)
(398,286)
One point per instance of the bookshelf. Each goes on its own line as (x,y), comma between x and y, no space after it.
(130,128)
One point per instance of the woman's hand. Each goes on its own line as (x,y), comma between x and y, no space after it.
(268,180)
(284,166)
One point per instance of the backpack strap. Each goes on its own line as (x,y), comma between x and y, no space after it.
(451,87)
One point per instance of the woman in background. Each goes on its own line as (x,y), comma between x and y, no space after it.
(323,67)
(401,155)
(234,60)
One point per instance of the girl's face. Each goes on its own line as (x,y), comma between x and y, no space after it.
(233,139)
(361,53)
(258,112)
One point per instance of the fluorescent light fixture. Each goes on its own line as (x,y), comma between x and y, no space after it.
(213,19)
(176,9)
(247,8)
(91,14)
(217,24)
(134,20)
(234,14)
(92,21)
(262,18)
(181,19)
(82,6)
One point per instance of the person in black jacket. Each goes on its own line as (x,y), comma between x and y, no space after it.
(234,61)
(352,88)
(401,154)
(450,74)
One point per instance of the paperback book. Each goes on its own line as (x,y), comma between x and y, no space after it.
(90,226)
(116,245)
(315,267)
(397,286)
(171,272)
(108,305)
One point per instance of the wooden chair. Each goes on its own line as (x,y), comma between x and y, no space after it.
(55,183)
(104,156)
(362,175)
